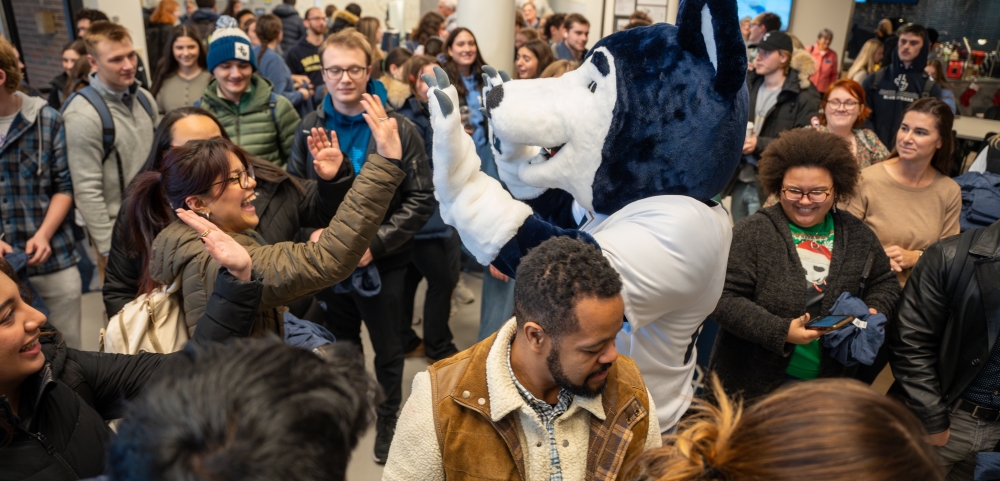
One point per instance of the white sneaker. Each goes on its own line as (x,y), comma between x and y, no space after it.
(463,294)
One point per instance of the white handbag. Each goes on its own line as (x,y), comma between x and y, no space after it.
(150,323)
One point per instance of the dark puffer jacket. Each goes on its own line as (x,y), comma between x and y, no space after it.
(61,430)
(765,290)
(291,26)
(283,211)
(413,202)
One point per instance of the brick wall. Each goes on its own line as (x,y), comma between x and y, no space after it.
(41,53)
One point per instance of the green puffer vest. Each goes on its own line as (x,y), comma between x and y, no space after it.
(252,125)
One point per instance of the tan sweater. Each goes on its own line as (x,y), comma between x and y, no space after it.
(911,218)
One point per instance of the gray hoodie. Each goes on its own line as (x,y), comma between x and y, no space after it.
(95,184)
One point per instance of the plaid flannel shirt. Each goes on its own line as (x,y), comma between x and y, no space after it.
(34,168)
(548,415)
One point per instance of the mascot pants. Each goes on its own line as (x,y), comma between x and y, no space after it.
(382,314)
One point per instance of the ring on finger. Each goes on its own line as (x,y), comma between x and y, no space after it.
(383,119)
(206,233)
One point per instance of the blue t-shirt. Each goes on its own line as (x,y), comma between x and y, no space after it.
(472,99)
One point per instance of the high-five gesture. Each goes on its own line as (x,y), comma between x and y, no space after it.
(384,129)
(327,157)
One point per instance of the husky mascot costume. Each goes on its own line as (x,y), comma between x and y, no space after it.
(625,152)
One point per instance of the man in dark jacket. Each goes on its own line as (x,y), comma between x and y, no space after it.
(778,102)
(204,18)
(346,58)
(944,352)
(303,57)
(291,24)
(890,90)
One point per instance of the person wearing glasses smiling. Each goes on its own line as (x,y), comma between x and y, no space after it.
(790,262)
(346,57)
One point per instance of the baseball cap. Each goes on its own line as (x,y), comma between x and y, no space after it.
(775,40)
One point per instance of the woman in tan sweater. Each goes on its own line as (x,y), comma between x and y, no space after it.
(909,200)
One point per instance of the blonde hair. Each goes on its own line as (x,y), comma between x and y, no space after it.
(348,38)
(559,68)
(822,430)
(104,30)
(369,26)
(866,58)
(9,65)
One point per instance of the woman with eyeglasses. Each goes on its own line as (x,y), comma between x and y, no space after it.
(843,112)
(208,185)
(789,263)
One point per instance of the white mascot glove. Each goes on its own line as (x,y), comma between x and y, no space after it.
(485,214)
(509,155)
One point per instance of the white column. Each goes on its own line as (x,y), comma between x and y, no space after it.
(492,21)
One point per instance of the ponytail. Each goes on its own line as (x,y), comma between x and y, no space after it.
(147,212)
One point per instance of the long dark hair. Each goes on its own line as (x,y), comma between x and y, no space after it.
(268,29)
(190,169)
(163,142)
(167,66)
(429,26)
(944,119)
(454,74)
(542,52)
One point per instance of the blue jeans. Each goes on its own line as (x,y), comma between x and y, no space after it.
(497,304)
(746,200)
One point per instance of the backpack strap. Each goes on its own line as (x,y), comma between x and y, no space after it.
(928,86)
(146,105)
(107,122)
(993,160)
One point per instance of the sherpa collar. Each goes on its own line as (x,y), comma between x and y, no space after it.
(504,397)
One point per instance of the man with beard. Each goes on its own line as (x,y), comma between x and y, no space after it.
(547,397)
(303,58)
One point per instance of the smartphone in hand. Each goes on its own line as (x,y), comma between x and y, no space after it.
(829,323)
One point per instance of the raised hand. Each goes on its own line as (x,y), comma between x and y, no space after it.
(221,246)
(327,157)
(384,129)
(509,155)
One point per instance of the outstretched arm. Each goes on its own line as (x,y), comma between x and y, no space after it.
(485,214)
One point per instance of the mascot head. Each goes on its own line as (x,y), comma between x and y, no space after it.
(658,110)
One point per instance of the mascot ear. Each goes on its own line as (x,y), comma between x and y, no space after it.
(711,29)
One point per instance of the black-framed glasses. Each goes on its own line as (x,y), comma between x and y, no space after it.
(795,195)
(847,104)
(355,73)
(242,177)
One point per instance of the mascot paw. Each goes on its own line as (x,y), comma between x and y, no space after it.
(509,155)
(455,158)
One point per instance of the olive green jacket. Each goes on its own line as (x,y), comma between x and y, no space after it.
(290,270)
(263,129)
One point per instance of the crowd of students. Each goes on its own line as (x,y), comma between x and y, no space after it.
(270,164)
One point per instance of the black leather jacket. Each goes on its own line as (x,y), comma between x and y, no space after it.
(942,339)
(413,202)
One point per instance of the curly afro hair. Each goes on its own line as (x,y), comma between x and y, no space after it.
(554,276)
(810,148)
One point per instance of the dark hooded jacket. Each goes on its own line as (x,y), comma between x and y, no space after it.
(795,107)
(204,20)
(60,431)
(897,88)
(291,25)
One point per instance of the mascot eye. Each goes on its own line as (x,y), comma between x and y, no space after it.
(592,87)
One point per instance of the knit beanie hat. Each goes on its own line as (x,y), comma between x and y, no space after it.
(228,42)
